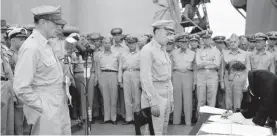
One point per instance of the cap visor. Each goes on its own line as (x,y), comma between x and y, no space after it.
(60,22)
(193,39)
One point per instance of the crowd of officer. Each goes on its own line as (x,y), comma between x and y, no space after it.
(114,89)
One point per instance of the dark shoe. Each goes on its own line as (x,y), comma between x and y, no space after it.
(128,122)
(114,122)
(104,122)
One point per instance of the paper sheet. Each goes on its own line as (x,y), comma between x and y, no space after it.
(235,129)
(218,119)
(212,110)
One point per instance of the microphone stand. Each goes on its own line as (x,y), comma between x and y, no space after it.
(87,54)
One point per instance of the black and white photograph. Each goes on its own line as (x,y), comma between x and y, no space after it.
(139,67)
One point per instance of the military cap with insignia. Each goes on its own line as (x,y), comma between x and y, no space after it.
(182,38)
(260,36)
(115,31)
(18,32)
(194,37)
(131,39)
(165,24)
(219,38)
(272,35)
(207,34)
(94,36)
(49,13)
(251,38)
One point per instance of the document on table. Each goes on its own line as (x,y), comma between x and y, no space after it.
(211,110)
(235,129)
(218,119)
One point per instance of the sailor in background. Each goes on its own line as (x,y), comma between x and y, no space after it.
(272,46)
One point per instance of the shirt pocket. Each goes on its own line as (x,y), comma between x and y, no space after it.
(161,67)
(50,69)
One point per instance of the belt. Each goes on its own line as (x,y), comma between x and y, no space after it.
(79,72)
(4,78)
(182,71)
(131,70)
(208,69)
(109,70)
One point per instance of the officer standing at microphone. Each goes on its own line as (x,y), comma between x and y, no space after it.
(39,79)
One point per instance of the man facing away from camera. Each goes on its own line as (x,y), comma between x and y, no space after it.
(155,75)
(39,79)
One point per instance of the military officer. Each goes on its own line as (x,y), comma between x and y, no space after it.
(94,92)
(272,46)
(219,41)
(194,42)
(252,44)
(108,63)
(17,37)
(221,46)
(155,75)
(119,46)
(208,62)
(39,79)
(262,59)
(233,83)
(131,80)
(7,95)
(183,81)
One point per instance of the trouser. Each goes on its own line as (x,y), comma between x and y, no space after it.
(7,109)
(80,85)
(234,92)
(18,118)
(207,85)
(109,90)
(220,98)
(54,119)
(75,109)
(132,93)
(182,95)
(98,107)
(121,103)
(160,123)
(91,86)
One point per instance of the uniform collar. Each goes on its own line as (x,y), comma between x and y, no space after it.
(107,53)
(42,40)
(157,44)
(238,51)
(183,51)
(209,46)
(271,49)
(261,53)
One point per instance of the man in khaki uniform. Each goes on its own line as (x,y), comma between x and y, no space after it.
(252,44)
(155,75)
(94,92)
(131,80)
(7,95)
(183,80)
(233,83)
(107,65)
(208,62)
(220,44)
(17,37)
(272,45)
(119,46)
(39,79)
(262,59)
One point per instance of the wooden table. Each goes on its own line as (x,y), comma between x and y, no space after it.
(203,118)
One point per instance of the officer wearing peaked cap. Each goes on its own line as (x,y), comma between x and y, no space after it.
(119,46)
(262,59)
(220,43)
(183,81)
(131,79)
(157,89)
(39,78)
(194,42)
(17,36)
(252,43)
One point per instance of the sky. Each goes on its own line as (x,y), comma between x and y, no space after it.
(224,19)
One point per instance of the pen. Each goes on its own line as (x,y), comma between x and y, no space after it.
(224,113)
